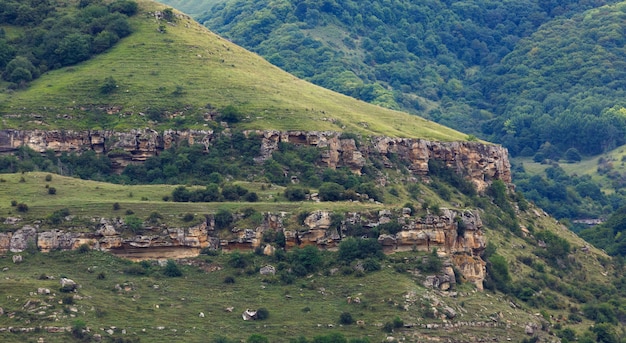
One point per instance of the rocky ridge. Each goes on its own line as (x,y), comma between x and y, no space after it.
(481,163)
(417,234)
(478,162)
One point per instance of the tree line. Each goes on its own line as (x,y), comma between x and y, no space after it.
(518,73)
(51,37)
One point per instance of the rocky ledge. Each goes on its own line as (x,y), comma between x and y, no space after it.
(461,247)
(481,163)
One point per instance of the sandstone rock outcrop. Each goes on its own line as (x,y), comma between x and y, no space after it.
(23,238)
(122,147)
(461,247)
(480,163)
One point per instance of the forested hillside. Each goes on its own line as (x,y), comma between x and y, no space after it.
(542,78)
(491,68)
(36,36)
(197,143)
(564,85)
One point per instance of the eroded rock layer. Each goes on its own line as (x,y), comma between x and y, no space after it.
(425,233)
(480,163)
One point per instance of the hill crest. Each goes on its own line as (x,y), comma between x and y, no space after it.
(176,74)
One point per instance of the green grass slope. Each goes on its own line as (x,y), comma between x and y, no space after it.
(87,198)
(191,7)
(183,68)
(152,307)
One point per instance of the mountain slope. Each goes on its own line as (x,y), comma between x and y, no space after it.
(560,278)
(191,7)
(533,264)
(449,61)
(180,68)
(544,79)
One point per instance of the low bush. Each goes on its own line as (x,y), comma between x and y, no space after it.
(345,318)
(172,270)
(262,313)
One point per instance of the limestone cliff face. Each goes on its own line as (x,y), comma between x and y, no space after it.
(122,147)
(480,163)
(108,236)
(461,246)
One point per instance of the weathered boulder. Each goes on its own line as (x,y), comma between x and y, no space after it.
(267,270)
(473,268)
(449,312)
(68,285)
(318,220)
(269,250)
(23,238)
(249,314)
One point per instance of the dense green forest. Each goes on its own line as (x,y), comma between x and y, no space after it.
(521,73)
(43,38)
(569,80)
(610,235)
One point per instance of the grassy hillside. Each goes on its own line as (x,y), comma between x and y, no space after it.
(191,7)
(153,307)
(92,198)
(173,75)
(518,73)
(181,68)
(563,281)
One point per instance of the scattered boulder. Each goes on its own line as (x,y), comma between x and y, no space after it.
(269,250)
(384,213)
(12,220)
(68,285)
(449,312)
(201,315)
(43,291)
(530,329)
(318,220)
(17,258)
(268,270)
(249,314)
